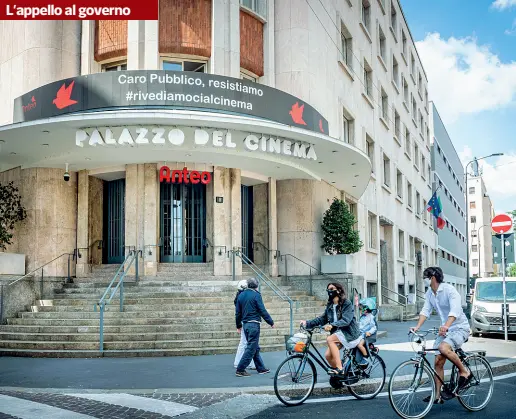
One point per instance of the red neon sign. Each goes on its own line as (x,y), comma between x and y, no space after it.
(183,176)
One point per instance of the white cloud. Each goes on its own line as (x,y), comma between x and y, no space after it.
(511,31)
(503,4)
(465,77)
(499,175)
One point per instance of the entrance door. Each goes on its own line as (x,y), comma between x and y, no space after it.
(114,221)
(183,222)
(247,220)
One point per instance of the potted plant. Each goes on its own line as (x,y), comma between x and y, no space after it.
(340,239)
(11,212)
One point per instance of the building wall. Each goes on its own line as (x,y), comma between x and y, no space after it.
(35,53)
(449,181)
(51,224)
(110,39)
(483,213)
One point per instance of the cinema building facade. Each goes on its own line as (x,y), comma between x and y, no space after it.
(219,126)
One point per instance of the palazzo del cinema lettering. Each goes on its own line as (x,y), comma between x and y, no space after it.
(176,137)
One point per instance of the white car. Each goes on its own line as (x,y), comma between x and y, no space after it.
(486,310)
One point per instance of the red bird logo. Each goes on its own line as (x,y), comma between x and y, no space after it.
(62,99)
(297,113)
(33,99)
(321,126)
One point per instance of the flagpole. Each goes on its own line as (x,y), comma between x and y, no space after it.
(435,193)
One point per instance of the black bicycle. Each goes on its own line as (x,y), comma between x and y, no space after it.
(296,376)
(412,387)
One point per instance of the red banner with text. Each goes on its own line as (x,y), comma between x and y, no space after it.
(79,10)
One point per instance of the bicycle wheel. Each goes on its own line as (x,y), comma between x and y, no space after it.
(294,380)
(373,379)
(409,386)
(479,391)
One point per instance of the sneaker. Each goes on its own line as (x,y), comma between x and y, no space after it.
(265,371)
(242,374)
(463,382)
(364,363)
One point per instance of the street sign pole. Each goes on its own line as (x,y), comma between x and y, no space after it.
(504,308)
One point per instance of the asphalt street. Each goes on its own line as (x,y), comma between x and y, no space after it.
(501,407)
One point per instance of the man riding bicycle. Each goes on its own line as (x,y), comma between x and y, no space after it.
(455,330)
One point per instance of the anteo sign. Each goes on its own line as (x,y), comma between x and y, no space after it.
(183,176)
(168,89)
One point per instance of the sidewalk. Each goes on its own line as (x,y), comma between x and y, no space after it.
(205,374)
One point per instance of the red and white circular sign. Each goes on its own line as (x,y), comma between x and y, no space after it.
(501,224)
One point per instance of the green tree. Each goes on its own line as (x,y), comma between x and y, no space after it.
(11,212)
(339,237)
(513,216)
(512,270)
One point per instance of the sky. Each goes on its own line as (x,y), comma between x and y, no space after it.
(468,50)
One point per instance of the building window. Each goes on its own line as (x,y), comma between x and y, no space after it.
(423,165)
(425,212)
(386,171)
(429,173)
(179,65)
(348,127)
(347,46)
(412,248)
(473,219)
(395,72)
(473,233)
(121,66)
(407,141)
(474,248)
(475,263)
(409,194)
(394,19)
(421,128)
(382,41)
(368,79)
(472,190)
(413,66)
(404,44)
(399,184)
(405,91)
(416,155)
(366,14)
(472,205)
(420,84)
(414,107)
(397,125)
(427,135)
(384,105)
(418,203)
(426,98)
(401,244)
(257,6)
(245,76)
(371,226)
(370,151)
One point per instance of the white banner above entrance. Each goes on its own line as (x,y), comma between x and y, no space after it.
(176,137)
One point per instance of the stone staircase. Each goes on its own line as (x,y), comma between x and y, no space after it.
(183,310)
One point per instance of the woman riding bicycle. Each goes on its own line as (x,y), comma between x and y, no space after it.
(338,319)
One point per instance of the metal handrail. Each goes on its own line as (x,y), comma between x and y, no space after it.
(398,294)
(160,244)
(41,267)
(265,279)
(100,243)
(276,253)
(208,243)
(131,257)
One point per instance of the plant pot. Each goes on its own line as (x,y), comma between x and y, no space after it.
(337,264)
(12,264)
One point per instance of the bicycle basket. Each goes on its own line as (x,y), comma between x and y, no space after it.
(296,343)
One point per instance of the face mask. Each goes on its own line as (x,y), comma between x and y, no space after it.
(427,282)
(332,293)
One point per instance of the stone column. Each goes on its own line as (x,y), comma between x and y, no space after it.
(134,184)
(268,48)
(151,219)
(225,38)
(273,227)
(88,63)
(151,45)
(83,263)
(219,220)
(135,44)
(235,218)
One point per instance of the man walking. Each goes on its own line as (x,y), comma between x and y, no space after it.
(249,312)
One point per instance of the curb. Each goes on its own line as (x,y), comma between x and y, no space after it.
(501,367)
